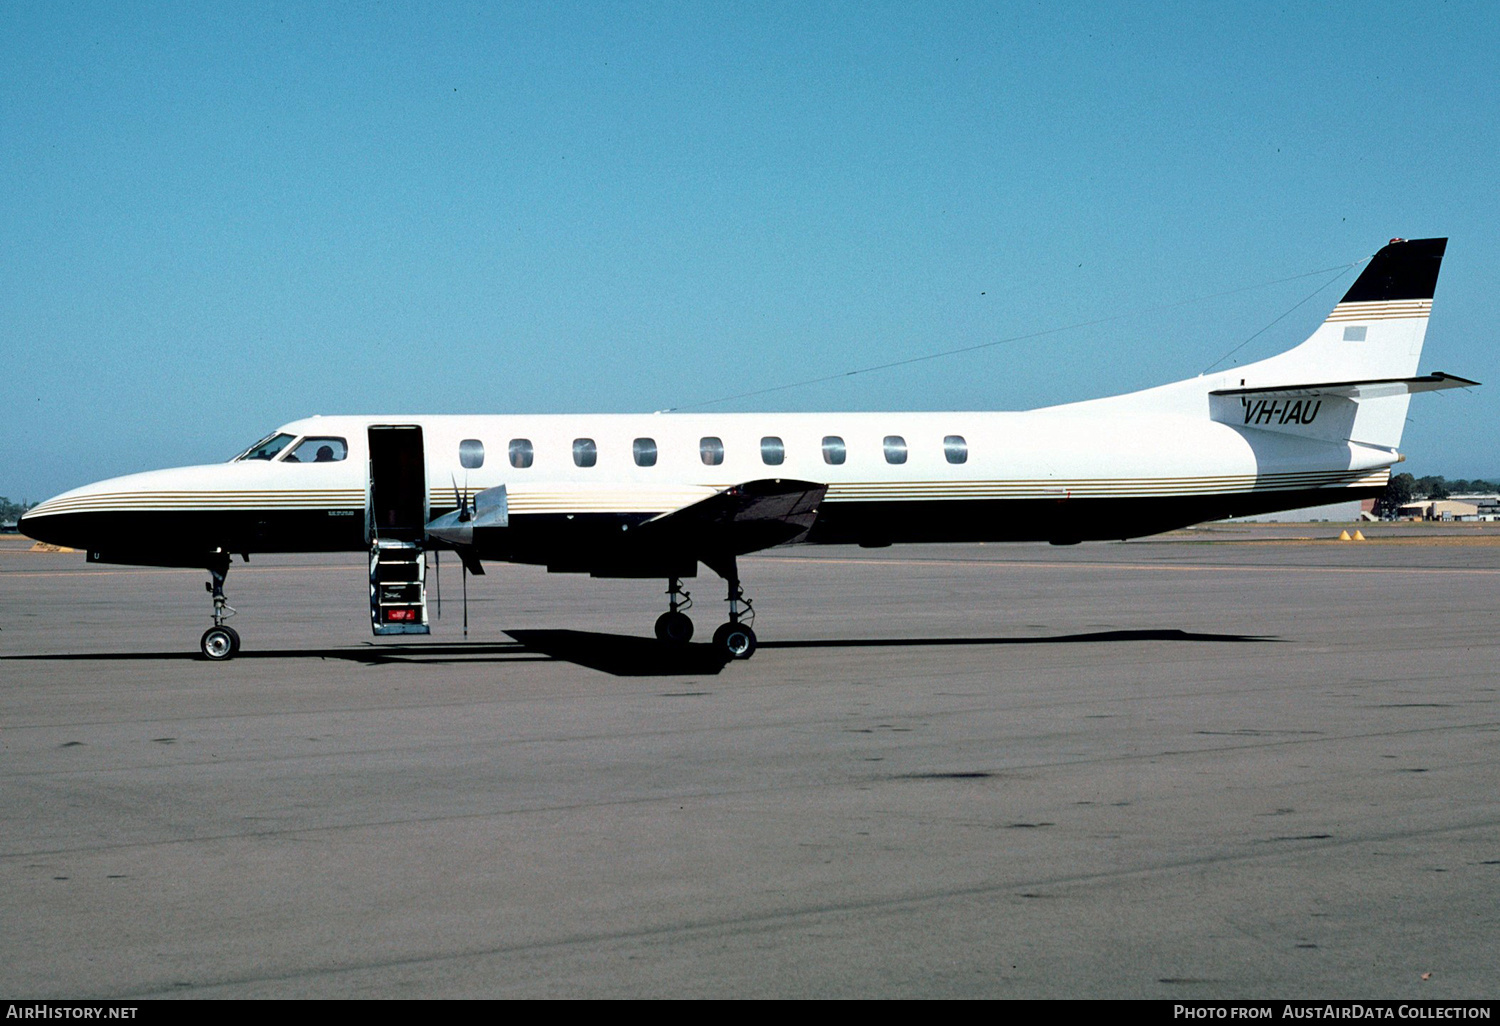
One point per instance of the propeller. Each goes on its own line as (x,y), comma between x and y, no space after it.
(490,510)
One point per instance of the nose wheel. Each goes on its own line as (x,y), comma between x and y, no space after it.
(219,642)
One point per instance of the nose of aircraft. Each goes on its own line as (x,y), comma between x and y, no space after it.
(38,528)
(102,515)
(63,519)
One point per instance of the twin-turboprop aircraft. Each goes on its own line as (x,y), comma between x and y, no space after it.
(652,496)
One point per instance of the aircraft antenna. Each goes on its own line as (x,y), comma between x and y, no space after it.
(1268,327)
(1341,270)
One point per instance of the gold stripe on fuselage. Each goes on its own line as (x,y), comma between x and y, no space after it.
(526,501)
(1381,311)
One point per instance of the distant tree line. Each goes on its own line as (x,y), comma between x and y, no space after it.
(1404,488)
(11,511)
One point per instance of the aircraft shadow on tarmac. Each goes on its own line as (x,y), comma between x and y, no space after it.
(626,656)
(632,657)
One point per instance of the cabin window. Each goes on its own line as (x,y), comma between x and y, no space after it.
(833,450)
(895,449)
(471,453)
(644,450)
(956,449)
(318,450)
(711,450)
(772,451)
(585,452)
(520,453)
(266,448)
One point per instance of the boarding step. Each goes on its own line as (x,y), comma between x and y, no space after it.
(398,587)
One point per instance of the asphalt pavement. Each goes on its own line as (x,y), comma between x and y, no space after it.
(1248,762)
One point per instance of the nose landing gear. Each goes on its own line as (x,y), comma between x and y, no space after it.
(219,642)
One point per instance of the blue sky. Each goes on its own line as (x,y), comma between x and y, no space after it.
(215,218)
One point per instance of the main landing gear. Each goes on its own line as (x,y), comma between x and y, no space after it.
(219,642)
(735,639)
(673,626)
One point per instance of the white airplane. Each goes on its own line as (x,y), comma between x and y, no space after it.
(655,495)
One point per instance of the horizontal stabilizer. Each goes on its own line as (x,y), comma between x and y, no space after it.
(1373,389)
(1329,411)
(747,517)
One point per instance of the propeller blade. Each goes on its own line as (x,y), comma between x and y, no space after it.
(461,500)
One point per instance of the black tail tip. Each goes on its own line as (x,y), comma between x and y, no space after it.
(1403,269)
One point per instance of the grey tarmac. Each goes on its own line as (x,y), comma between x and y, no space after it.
(1229,763)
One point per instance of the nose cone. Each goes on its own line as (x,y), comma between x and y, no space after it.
(105,515)
(35,528)
(53,523)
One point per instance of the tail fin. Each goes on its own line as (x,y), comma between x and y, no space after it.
(1405,271)
(1374,334)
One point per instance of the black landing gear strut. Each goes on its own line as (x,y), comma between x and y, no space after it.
(735,639)
(219,642)
(673,626)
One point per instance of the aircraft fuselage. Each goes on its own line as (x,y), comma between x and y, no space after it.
(900,477)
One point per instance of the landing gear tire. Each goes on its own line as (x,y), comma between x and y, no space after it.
(735,640)
(220,643)
(674,628)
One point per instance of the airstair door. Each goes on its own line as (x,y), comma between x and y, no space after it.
(397,512)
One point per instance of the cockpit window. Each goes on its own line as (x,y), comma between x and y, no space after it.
(266,448)
(315,449)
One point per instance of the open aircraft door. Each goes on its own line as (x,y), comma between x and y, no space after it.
(395,515)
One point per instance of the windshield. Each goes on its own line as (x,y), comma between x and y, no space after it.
(266,448)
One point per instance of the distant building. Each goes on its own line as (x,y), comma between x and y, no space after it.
(1440,509)
(1488,505)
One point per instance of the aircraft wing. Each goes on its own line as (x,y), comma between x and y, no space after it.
(743,518)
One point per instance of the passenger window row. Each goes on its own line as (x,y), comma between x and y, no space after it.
(710,451)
